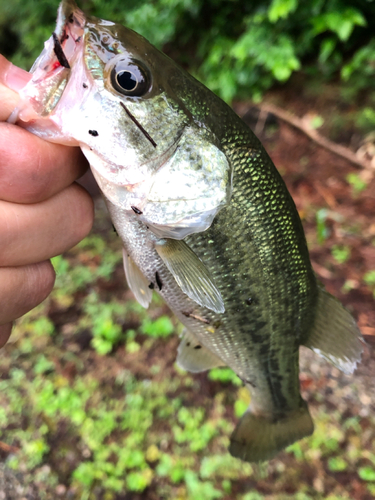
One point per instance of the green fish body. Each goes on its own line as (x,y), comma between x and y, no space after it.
(204,216)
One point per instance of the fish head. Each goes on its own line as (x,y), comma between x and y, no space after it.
(100,85)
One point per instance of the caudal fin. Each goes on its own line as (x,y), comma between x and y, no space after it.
(335,335)
(257,438)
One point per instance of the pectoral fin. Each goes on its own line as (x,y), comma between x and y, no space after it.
(191,274)
(136,281)
(335,335)
(194,357)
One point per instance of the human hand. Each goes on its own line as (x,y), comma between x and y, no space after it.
(42,211)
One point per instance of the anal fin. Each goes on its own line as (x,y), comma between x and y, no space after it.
(136,281)
(335,334)
(194,357)
(191,274)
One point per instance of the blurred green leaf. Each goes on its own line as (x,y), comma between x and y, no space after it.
(367,473)
(357,183)
(236,48)
(342,23)
(321,227)
(341,253)
(337,464)
(281,9)
(224,375)
(161,327)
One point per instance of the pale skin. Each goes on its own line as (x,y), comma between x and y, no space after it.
(43,212)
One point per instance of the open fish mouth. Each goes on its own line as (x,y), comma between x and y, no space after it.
(66,41)
(51,70)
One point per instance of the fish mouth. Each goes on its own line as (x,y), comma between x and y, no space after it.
(65,43)
(52,69)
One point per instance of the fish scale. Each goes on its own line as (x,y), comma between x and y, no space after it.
(205,218)
(257,253)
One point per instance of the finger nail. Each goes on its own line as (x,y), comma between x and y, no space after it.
(15,78)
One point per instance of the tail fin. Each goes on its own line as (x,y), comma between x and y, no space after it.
(257,438)
(335,335)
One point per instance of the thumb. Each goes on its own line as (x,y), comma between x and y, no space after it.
(11,76)
(11,80)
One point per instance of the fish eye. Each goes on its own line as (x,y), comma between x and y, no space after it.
(130,78)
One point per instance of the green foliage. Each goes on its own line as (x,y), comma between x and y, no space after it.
(341,22)
(225,376)
(369,279)
(280,9)
(71,278)
(337,464)
(240,407)
(316,122)
(223,466)
(236,48)
(321,227)
(104,321)
(115,426)
(361,67)
(192,430)
(200,490)
(357,183)
(161,327)
(253,496)
(365,119)
(341,253)
(367,473)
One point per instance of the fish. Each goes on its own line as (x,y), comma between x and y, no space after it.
(205,218)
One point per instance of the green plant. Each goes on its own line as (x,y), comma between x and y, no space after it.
(356,182)
(341,253)
(192,430)
(253,496)
(369,279)
(321,227)
(236,48)
(337,464)
(200,490)
(223,466)
(367,473)
(161,327)
(360,69)
(365,119)
(224,375)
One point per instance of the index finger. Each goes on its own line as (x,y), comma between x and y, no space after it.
(31,169)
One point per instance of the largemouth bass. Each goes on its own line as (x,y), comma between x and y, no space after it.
(204,217)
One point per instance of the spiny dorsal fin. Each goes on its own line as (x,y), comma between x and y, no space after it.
(335,335)
(191,274)
(194,357)
(136,281)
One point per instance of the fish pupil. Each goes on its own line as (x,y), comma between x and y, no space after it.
(127,80)
(130,78)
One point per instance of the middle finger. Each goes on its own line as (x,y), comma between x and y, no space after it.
(32,233)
